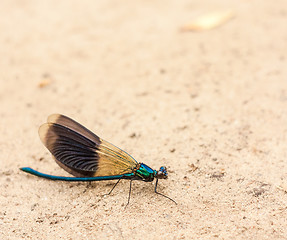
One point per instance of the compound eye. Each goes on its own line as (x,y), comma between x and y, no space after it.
(162,173)
(163,169)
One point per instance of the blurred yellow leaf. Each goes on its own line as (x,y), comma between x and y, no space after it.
(209,21)
(44,83)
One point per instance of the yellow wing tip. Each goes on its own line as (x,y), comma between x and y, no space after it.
(43,131)
(53,118)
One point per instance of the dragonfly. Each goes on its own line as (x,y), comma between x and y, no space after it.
(88,158)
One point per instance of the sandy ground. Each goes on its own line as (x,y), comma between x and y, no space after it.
(210,105)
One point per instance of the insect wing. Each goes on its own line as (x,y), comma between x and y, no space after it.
(82,153)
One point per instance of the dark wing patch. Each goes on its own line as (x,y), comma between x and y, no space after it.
(71,149)
(75,126)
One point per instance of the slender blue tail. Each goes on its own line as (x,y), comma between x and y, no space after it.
(69,179)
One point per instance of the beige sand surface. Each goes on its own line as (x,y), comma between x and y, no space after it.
(210,105)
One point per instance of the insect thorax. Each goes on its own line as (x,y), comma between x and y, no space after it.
(144,172)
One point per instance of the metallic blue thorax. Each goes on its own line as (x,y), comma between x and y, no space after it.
(145,173)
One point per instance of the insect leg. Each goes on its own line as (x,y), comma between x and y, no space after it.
(161,193)
(129,193)
(114,187)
